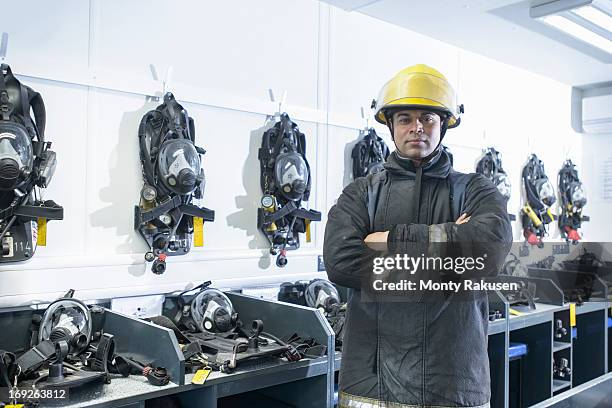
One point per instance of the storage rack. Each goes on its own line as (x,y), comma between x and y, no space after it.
(274,383)
(522,349)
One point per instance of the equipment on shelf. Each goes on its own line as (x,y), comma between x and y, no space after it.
(285,183)
(546,263)
(560,331)
(525,296)
(585,262)
(561,369)
(166,217)
(212,335)
(320,294)
(573,200)
(539,197)
(513,266)
(495,314)
(27,165)
(68,348)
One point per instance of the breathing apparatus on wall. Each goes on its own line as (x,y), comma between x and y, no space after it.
(573,199)
(285,182)
(369,154)
(171,166)
(490,166)
(539,197)
(27,165)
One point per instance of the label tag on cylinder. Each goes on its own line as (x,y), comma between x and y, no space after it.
(198,231)
(41,239)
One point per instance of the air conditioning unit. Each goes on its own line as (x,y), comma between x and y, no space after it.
(592,109)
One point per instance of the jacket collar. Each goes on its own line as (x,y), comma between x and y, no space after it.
(438,167)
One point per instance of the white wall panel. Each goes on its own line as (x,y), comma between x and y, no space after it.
(365,52)
(240,47)
(47,37)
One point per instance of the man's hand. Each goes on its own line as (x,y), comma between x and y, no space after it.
(463,219)
(377,237)
(377,241)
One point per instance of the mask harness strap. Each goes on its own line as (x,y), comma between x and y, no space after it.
(6,107)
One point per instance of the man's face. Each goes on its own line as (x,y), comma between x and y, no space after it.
(416,132)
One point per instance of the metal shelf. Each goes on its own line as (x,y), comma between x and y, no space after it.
(559,345)
(560,384)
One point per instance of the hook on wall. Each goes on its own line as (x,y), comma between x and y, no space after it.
(280,102)
(366,119)
(164,83)
(485,145)
(3,46)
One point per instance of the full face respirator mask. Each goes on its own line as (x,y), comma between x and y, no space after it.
(166,217)
(27,166)
(64,331)
(318,293)
(322,295)
(285,182)
(206,311)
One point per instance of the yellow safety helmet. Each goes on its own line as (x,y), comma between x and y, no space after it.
(418,86)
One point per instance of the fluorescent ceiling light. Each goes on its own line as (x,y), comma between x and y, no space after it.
(595,16)
(589,21)
(580,32)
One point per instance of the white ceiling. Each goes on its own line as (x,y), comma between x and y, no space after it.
(499,29)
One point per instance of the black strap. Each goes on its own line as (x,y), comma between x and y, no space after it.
(49,210)
(195,211)
(34,358)
(169,324)
(163,208)
(8,368)
(40,113)
(9,211)
(104,352)
(25,110)
(6,107)
(305,214)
